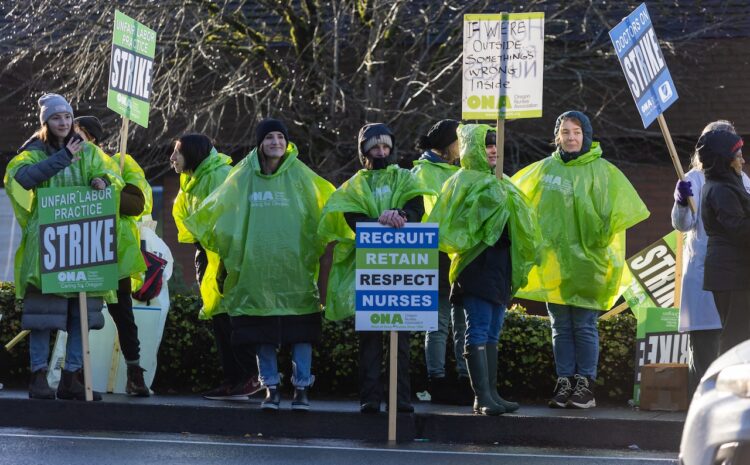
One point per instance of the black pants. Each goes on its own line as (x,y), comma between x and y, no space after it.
(122,314)
(734,312)
(237,361)
(371,365)
(704,349)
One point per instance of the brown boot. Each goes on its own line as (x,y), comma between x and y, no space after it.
(72,386)
(136,386)
(38,387)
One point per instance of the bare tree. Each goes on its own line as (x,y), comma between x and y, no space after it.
(325,67)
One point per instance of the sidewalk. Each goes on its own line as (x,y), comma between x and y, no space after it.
(532,425)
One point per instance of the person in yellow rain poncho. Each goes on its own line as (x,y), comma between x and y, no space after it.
(136,200)
(488,227)
(202,170)
(584,205)
(392,196)
(263,223)
(438,162)
(54,157)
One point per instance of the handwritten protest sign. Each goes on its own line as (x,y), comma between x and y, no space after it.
(503,66)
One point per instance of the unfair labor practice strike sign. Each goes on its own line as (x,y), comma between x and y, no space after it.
(643,63)
(130,71)
(78,239)
(396,277)
(503,66)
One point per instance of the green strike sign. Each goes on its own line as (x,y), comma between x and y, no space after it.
(651,297)
(131,69)
(77,239)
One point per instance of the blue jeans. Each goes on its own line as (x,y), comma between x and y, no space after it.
(435,341)
(301,362)
(39,344)
(484,320)
(575,340)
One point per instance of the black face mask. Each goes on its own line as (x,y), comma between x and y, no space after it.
(379,163)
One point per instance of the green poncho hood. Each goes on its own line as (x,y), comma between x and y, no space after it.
(264,228)
(369,192)
(433,175)
(474,207)
(93,163)
(584,207)
(194,188)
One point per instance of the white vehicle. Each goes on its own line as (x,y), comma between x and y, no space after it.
(717,428)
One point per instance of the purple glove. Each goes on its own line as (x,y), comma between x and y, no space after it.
(682,191)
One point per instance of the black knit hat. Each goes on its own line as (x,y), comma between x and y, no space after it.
(269,125)
(490,138)
(441,135)
(93,126)
(718,144)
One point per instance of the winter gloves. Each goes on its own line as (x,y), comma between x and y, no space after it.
(682,191)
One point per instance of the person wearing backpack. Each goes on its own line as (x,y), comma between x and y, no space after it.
(202,170)
(135,201)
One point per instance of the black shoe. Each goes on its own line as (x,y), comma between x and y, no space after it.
(583,393)
(300,402)
(439,391)
(72,386)
(563,390)
(465,394)
(372,406)
(272,400)
(135,384)
(402,407)
(38,387)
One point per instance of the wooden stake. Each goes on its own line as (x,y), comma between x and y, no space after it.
(19,337)
(85,342)
(114,365)
(392,386)
(619,309)
(673,154)
(500,145)
(124,141)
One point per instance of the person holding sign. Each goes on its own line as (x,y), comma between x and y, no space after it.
(135,200)
(262,222)
(384,193)
(55,156)
(437,163)
(584,205)
(202,170)
(490,231)
(726,217)
(698,314)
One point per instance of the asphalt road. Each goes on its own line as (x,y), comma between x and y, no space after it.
(21,447)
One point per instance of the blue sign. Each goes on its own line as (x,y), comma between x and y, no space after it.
(643,64)
(396,277)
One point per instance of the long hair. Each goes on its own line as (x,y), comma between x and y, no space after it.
(44,134)
(195,148)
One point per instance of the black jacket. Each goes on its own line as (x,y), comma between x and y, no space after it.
(488,276)
(725,210)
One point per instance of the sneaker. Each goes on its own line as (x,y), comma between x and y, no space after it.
(583,393)
(272,400)
(135,385)
(300,402)
(245,389)
(563,390)
(369,407)
(221,392)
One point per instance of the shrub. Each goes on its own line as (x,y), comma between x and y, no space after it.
(188,359)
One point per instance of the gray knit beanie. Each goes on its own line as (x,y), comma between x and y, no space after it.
(49,104)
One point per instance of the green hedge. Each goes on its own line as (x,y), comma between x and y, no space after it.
(188,361)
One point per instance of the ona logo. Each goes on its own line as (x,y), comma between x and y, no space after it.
(122,100)
(550,179)
(261,196)
(386,318)
(68,276)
